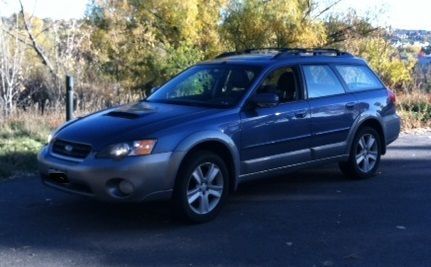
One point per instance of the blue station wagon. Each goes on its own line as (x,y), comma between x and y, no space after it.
(241,116)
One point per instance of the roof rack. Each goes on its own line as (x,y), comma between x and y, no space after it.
(312,52)
(228,54)
(282,52)
(264,50)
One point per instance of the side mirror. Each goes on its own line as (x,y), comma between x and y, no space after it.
(149,92)
(266,100)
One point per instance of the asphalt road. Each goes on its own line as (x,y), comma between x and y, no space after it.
(309,218)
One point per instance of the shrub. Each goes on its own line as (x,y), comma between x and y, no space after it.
(415,110)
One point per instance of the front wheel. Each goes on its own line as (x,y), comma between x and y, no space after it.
(364,156)
(201,188)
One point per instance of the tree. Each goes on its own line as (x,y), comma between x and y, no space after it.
(262,23)
(56,44)
(11,66)
(123,48)
(142,43)
(385,59)
(348,26)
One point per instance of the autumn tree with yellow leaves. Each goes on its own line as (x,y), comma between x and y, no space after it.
(123,48)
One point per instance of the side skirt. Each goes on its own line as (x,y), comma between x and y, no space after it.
(290,168)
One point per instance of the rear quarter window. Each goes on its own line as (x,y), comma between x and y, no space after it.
(321,81)
(358,78)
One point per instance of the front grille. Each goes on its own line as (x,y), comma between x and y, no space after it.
(69,149)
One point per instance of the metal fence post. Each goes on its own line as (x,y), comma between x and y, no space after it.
(69,98)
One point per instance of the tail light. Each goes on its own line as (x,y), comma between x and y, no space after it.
(392,98)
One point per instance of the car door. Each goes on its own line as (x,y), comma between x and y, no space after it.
(275,137)
(332,111)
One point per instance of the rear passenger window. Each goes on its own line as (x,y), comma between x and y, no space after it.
(321,81)
(283,82)
(358,78)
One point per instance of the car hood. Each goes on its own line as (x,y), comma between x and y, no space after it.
(112,125)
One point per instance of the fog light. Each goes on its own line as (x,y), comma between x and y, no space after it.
(126,187)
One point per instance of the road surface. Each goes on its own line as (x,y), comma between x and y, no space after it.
(309,218)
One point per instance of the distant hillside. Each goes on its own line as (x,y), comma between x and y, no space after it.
(402,38)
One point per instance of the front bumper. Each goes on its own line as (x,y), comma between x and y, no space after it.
(152,177)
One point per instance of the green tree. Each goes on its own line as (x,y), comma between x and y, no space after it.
(348,26)
(261,23)
(142,43)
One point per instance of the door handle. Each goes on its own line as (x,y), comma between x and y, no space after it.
(350,105)
(301,114)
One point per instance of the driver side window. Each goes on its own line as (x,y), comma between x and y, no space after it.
(283,82)
(200,83)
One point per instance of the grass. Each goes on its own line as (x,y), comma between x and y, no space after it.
(23,135)
(21,138)
(415,110)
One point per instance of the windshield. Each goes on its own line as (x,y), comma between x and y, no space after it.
(209,85)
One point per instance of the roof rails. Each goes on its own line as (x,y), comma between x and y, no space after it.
(228,54)
(282,52)
(312,52)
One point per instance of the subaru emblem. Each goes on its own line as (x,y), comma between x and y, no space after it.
(68,148)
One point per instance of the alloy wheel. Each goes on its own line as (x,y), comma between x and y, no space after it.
(366,153)
(205,188)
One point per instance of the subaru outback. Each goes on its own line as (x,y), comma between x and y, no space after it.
(241,116)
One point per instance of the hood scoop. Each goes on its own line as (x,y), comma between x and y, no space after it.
(131,111)
(122,114)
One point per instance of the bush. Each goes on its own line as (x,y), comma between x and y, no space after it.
(415,110)
(385,60)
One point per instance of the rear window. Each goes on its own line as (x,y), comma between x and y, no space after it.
(358,78)
(321,81)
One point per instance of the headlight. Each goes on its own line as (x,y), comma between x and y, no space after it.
(49,139)
(121,150)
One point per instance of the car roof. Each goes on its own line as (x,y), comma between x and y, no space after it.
(275,58)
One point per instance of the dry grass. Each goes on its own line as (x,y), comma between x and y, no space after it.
(30,124)
(21,137)
(415,110)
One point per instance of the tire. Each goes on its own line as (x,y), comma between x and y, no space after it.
(364,158)
(201,187)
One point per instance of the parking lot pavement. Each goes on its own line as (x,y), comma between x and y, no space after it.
(309,218)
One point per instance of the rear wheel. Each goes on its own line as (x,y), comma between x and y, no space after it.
(364,156)
(202,187)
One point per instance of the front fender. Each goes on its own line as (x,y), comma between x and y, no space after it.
(191,141)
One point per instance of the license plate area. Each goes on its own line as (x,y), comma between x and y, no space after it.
(58,177)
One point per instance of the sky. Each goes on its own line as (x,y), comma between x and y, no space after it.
(411,14)
(402,14)
(57,9)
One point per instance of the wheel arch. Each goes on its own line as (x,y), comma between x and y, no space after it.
(372,122)
(218,143)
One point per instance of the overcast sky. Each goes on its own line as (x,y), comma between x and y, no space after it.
(411,14)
